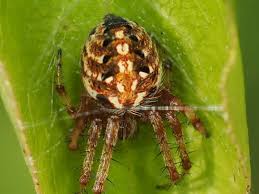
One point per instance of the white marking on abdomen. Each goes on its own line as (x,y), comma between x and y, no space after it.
(120,87)
(91,55)
(145,52)
(143,74)
(121,66)
(99,77)
(159,76)
(119,34)
(130,65)
(98,59)
(108,80)
(115,102)
(150,69)
(94,74)
(134,85)
(122,49)
(88,72)
(140,97)
(89,89)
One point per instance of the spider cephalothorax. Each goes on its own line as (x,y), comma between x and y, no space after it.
(121,71)
(120,63)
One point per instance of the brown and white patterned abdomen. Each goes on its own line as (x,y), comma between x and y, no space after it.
(120,63)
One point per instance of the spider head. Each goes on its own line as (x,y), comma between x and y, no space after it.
(121,65)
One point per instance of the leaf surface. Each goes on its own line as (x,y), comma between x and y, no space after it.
(200,37)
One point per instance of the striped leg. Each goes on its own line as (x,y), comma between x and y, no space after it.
(80,124)
(94,134)
(190,114)
(111,138)
(74,112)
(177,131)
(60,88)
(161,136)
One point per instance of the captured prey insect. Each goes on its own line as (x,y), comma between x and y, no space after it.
(121,72)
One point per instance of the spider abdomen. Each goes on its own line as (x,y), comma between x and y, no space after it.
(120,63)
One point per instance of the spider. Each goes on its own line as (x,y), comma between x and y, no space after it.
(121,72)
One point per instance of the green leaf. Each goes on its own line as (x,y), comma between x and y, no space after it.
(12,166)
(201,38)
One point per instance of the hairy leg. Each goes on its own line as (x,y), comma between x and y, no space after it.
(191,115)
(168,98)
(177,131)
(128,127)
(80,120)
(80,124)
(60,88)
(161,136)
(93,136)
(111,137)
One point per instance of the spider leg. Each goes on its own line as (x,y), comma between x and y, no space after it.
(111,138)
(94,134)
(80,124)
(161,136)
(60,88)
(168,98)
(177,131)
(190,114)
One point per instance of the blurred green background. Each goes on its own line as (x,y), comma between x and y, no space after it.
(248,24)
(13,172)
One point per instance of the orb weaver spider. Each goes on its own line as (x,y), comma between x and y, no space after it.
(121,71)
